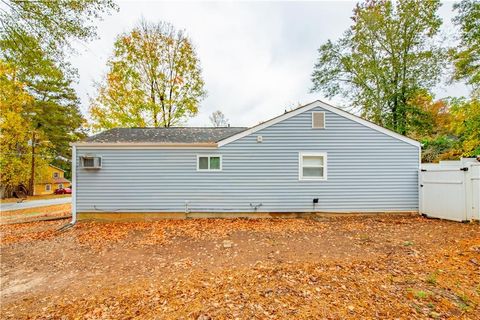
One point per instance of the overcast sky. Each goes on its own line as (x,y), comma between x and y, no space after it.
(256,57)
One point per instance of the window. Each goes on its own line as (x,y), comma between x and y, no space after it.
(91,162)
(48,187)
(209,163)
(60,186)
(312,166)
(318,120)
(55,174)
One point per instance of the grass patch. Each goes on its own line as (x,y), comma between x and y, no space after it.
(463,302)
(432,279)
(419,294)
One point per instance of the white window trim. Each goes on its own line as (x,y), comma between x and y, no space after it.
(312,154)
(56,175)
(324,120)
(209,156)
(49,187)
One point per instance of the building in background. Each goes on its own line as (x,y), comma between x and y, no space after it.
(54,179)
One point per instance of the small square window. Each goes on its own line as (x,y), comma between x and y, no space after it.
(312,166)
(209,163)
(55,174)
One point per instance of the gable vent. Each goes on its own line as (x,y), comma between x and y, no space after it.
(318,120)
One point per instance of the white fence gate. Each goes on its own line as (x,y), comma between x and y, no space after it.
(451,190)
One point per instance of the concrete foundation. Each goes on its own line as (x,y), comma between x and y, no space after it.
(152,216)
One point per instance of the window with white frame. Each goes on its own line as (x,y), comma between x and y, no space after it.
(55,174)
(312,166)
(48,187)
(209,163)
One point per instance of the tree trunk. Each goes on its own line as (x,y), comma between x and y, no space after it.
(154,106)
(31,185)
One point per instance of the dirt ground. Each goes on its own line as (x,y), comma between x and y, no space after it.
(401,267)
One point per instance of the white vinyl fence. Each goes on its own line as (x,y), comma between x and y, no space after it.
(451,190)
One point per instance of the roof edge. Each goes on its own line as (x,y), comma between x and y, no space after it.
(51,165)
(143,144)
(312,105)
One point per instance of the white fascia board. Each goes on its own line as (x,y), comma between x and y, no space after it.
(325,106)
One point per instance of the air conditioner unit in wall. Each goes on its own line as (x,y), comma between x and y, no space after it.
(91,162)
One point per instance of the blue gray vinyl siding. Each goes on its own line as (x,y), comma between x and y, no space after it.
(368,171)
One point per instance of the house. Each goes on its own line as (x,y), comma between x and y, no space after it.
(53,179)
(316,158)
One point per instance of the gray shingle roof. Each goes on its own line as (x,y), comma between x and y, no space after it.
(164,135)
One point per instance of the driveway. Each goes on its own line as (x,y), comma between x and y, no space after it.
(33,204)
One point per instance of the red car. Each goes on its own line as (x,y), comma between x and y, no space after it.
(63,191)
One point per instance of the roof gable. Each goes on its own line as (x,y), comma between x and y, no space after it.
(308,107)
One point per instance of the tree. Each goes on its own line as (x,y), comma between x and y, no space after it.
(431,119)
(33,39)
(385,58)
(54,24)
(431,126)
(55,105)
(33,36)
(466,57)
(154,79)
(15,131)
(218,119)
(466,125)
(450,127)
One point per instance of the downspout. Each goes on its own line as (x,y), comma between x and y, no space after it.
(419,182)
(74,185)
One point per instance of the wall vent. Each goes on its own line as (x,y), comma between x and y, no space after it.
(318,120)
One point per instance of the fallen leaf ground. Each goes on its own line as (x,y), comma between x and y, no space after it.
(403,267)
